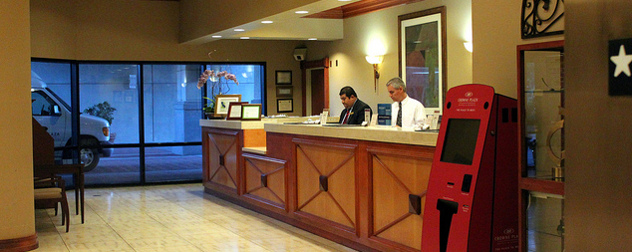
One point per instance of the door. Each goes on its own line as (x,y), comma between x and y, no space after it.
(315,86)
(318,91)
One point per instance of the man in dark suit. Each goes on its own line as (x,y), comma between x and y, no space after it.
(354,108)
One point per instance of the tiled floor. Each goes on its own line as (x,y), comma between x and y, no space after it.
(169,218)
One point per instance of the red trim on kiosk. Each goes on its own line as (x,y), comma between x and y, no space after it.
(472,200)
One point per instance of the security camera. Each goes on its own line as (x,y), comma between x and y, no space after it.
(300,53)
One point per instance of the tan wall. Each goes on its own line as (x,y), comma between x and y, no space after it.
(17,216)
(361,31)
(599,173)
(496,33)
(145,31)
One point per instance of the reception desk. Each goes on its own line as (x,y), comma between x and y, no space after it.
(360,186)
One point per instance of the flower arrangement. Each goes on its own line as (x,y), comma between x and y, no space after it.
(217,86)
(215,78)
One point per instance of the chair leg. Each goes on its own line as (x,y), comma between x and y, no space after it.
(63,220)
(65,212)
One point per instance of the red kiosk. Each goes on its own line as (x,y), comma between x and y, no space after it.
(472,199)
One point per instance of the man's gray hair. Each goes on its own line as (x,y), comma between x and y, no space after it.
(397,83)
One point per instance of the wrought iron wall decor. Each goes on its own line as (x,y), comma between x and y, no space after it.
(542,18)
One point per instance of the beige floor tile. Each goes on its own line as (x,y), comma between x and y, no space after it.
(284,244)
(188,248)
(239,244)
(170,218)
(88,234)
(118,245)
(158,243)
(49,242)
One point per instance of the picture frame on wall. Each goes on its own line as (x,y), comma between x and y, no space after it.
(283,77)
(423,56)
(285,105)
(234,110)
(222,103)
(284,91)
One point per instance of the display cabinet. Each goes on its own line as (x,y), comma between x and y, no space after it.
(541,146)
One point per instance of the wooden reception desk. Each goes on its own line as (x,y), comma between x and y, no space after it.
(360,186)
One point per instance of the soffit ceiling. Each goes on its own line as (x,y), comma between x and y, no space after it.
(324,21)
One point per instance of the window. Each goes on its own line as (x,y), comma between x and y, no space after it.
(139,123)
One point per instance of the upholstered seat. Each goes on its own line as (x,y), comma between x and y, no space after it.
(49,197)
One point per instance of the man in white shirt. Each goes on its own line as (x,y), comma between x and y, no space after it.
(406,112)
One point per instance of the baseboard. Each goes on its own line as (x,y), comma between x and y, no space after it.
(19,244)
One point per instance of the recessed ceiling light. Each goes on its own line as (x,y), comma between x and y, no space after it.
(239,30)
(301,12)
(267,22)
(216,36)
(312,39)
(244,38)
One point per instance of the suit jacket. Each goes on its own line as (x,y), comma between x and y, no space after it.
(356,115)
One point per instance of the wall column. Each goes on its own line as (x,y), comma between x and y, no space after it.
(17,225)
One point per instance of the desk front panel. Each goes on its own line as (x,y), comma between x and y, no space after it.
(264,180)
(325,179)
(222,150)
(399,181)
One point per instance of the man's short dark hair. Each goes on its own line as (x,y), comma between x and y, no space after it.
(348,91)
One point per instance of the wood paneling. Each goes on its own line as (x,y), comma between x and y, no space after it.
(254,138)
(223,149)
(19,244)
(395,177)
(359,8)
(326,186)
(264,179)
(353,192)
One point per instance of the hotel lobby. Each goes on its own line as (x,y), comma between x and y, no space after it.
(483,42)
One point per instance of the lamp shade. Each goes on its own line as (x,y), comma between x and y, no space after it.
(374,59)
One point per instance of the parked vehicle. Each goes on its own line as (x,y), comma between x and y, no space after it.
(54,113)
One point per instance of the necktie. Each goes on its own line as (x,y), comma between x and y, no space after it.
(346,117)
(399,115)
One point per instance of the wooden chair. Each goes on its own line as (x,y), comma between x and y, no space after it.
(49,192)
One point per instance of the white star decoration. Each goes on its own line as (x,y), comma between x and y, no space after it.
(623,62)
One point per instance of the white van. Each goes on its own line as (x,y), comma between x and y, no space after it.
(54,113)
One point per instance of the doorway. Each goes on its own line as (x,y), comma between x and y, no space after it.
(315,86)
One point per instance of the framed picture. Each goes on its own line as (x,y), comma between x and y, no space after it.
(251,112)
(283,77)
(234,110)
(422,56)
(222,103)
(285,105)
(284,91)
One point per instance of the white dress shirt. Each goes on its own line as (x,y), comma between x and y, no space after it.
(413,113)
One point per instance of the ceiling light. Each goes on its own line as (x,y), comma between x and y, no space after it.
(239,30)
(301,12)
(312,39)
(244,38)
(216,36)
(267,22)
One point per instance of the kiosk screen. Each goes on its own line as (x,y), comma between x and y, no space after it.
(460,141)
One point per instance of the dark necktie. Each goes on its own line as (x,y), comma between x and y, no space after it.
(346,117)
(399,115)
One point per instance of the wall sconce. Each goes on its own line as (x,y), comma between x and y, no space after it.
(468,46)
(375,60)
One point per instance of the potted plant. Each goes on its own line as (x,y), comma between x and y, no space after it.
(209,110)
(217,87)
